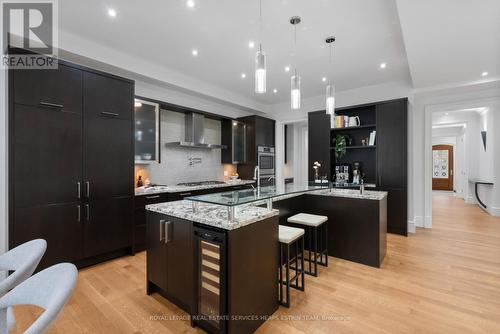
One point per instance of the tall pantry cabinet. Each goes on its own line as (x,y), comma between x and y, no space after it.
(71,165)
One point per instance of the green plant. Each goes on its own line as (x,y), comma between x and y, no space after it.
(341,142)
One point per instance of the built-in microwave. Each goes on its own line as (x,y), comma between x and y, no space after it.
(266,160)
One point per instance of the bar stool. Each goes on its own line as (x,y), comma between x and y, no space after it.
(288,236)
(314,224)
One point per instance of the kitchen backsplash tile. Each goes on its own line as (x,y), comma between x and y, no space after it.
(184,164)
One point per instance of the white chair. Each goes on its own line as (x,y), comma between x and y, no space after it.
(23,260)
(49,289)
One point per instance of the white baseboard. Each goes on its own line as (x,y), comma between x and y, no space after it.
(494,211)
(418,221)
(428,222)
(411,227)
(470,200)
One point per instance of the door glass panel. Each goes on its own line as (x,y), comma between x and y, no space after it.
(440,164)
(146,120)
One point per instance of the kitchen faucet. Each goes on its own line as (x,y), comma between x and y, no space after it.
(256,175)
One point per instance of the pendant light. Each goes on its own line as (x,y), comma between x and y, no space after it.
(295,80)
(330,88)
(260,61)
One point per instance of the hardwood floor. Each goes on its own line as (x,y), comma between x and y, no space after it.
(440,280)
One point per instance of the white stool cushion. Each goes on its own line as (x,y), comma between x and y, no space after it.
(289,234)
(307,219)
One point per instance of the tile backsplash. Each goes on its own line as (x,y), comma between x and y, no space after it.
(180,164)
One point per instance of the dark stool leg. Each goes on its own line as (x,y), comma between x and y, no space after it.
(326,242)
(280,292)
(315,251)
(302,265)
(287,268)
(297,263)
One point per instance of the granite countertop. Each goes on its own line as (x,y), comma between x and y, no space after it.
(176,189)
(351,193)
(213,215)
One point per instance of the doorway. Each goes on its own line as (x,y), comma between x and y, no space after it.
(442,167)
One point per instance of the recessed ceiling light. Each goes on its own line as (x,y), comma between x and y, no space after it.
(383,65)
(287,68)
(447,113)
(484,74)
(111,12)
(137,104)
(194,52)
(275,91)
(190,3)
(243,75)
(251,44)
(323,79)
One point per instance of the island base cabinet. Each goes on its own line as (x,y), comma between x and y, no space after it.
(169,259)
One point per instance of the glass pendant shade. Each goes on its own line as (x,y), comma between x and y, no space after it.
(295,92)
(260,72)
(330,99)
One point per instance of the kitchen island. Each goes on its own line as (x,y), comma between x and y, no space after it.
(216,255)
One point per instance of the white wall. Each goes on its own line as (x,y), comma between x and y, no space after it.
(3,162)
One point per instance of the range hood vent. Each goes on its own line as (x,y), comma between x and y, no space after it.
(195,134)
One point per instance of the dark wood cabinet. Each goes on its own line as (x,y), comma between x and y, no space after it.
(392,119)
(170,266)
(384,164)
(71,162)
(156,261)
(60,225)
(319,142)
(51,89)
(260,131)
(180,261)
(47,159)
(392,144)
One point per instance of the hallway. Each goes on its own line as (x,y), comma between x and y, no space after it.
(440,280)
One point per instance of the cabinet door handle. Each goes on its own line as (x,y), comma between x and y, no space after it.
(110,114)
(79,218)
(79,189)
(88,211)
(185,194)
(167,228)
(152,197)
(51,105)
(87,189)
(162,230)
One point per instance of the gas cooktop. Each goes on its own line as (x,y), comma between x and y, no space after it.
(201,183)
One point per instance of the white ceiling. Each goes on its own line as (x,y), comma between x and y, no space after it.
(368,32)
(451,41)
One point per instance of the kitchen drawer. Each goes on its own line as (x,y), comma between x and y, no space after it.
(143,200)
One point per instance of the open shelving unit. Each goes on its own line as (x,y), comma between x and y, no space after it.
(356,152)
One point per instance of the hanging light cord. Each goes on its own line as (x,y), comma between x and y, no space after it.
(295,46)
(330,62)
(260,24)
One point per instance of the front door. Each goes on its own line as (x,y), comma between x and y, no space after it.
(442,167)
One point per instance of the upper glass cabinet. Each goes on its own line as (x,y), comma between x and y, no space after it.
(147,131)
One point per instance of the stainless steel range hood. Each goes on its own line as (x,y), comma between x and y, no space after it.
(195,134)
